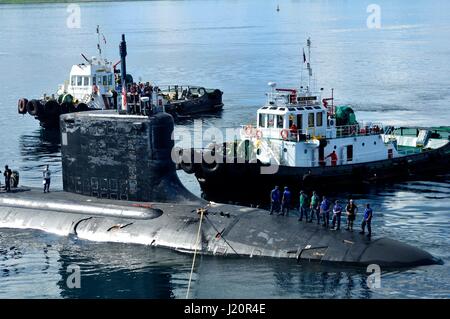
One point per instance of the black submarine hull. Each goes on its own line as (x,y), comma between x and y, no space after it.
(244,182)
(226,230)
(120,185)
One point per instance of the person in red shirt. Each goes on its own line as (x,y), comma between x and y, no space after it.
(293,129)
(334,158)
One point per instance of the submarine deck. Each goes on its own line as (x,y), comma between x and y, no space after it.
(226,229)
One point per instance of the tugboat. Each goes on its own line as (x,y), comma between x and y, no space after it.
(93,85)
(305,142)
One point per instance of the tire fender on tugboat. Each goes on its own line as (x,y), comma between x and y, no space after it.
(209,168)
(187,161)
(22,106)
(34,107)
(51,107)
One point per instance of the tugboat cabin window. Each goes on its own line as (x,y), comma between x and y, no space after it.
(94,80)
(79,81)
(270,120)
(85,80)
(110,81)
(280,120)
(319,119)
(299,121)
(262,120)
(310,119)
(73,80)
(105,80)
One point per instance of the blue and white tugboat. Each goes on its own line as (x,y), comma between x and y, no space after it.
(302,140)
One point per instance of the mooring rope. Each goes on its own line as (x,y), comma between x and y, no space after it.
(201,210)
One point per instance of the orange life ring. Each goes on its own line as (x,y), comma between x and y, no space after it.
(362,131)
(259,134)
(284,134)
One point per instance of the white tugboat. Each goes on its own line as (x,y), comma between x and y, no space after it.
(303,141)
(94,85)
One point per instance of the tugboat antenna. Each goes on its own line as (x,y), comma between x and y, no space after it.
(98,42)
(308,44)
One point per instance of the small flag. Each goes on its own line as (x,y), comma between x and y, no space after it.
(104,39)
(98,29)
(304,56)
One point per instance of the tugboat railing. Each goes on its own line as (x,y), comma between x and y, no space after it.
(302,135)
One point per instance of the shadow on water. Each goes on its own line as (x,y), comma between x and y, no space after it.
(40,145)
(269,278)
(189,119)
(119,271)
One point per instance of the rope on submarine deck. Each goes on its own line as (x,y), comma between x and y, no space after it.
(195,251)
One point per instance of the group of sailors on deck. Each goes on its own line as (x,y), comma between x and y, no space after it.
(320,209)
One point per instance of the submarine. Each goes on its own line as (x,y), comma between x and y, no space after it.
(120,185)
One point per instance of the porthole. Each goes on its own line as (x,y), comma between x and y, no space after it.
(363,144)
(375,143)
(335,147)
(306,151)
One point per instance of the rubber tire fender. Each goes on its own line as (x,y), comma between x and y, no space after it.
(51,107)
(34,107)
(22,106)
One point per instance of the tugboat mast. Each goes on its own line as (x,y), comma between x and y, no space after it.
(123,67)
(98,42)
(308,64)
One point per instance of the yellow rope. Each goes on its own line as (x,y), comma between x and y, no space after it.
(201,210)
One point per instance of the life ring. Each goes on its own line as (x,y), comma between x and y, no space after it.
(248,130)
(22,106)
(201,91)
(259,134)
(362,131)
(284,134)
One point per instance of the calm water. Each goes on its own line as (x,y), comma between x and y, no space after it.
(398,74)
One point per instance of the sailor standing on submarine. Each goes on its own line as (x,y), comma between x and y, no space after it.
(46,174)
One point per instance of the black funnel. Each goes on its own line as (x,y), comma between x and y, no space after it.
(127,157)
